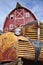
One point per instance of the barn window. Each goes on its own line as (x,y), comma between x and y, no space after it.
(11,16)
(27,14)
(10,26)
(6,29)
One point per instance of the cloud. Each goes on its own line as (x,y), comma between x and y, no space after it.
(8,5)
(5,7)
(38,10)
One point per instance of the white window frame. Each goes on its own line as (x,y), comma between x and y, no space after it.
(27,14)
(12,16)
(11,26)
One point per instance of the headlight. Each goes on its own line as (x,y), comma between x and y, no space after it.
(18,31)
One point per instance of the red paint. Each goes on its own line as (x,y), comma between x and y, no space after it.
(18,19)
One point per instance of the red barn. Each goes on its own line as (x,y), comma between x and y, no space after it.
(20,15)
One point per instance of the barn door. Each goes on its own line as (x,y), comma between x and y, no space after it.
(19,17)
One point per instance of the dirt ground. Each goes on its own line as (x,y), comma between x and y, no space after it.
(26,62)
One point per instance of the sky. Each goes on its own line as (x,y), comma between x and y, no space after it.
(6,6)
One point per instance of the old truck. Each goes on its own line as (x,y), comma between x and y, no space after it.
(22,37)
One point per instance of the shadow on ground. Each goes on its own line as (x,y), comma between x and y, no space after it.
(26,62)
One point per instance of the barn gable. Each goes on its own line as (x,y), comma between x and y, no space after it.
(20,15)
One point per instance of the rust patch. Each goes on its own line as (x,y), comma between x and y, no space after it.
(8,55)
